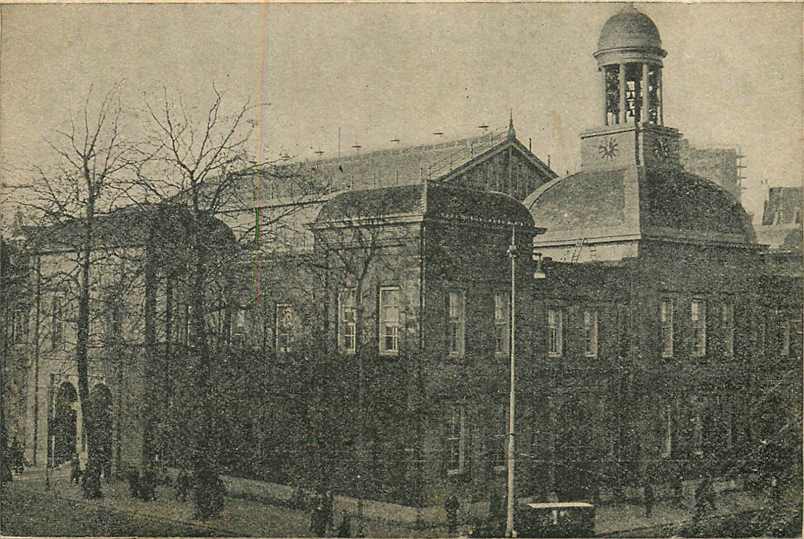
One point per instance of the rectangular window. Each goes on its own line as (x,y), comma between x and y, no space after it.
(667,420)
(698,319)
(786,325)
(590,333)
(727,327)
(666,321)
(57,322)
(502,332)
(389,321)
(347,327)
(455,323)
(499,449)
(284,327)
(456,429)
(20,326)
(697,435)
(239,322)
(555,333)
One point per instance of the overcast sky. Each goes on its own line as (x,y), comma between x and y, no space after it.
(733,74)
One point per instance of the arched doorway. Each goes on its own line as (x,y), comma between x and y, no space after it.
(101,443)
(63,430)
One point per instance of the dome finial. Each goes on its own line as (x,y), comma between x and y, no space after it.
(511,130)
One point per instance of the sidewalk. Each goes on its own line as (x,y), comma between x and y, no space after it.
(246,517)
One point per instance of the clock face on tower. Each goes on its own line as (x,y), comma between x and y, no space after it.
(608,148)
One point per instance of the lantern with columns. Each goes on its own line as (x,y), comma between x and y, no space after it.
(629,58)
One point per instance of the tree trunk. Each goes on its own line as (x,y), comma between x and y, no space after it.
(91,484)
(208,488)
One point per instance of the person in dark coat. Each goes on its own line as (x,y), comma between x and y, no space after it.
(182,485)
(451,506)
(649,498)
(16,456)
(318,517)
(329,510)
(75,469)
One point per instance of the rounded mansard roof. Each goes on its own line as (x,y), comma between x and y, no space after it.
(609,204)
(627,29)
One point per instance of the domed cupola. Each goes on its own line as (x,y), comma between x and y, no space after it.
(629,56)
(629,28)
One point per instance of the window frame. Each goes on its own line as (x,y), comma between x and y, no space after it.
(727,327)
(456,438)
(590,333)
(384,325)
(342,322)
(787,329)
(698,328)
(500,438)
(666,328)
(502,324)
(288,334)
(456,324)
(20,324)
(57,338)
(557,326)
(667,441)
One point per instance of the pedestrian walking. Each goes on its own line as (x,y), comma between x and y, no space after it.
(75,469)
(451,506)
(649,498)
(318,517)
(329,510)
(182,485)
(16,456)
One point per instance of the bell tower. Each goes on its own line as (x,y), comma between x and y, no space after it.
(629,58)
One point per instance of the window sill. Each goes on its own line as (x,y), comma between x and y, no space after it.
(502,355)
(455,473)
(590,355)
(390,354)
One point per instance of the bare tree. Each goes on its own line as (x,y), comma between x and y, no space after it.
(198,162)
(68,198)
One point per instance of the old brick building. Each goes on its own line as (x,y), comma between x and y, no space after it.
(365,339)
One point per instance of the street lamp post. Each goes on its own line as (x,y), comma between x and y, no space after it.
(509,521)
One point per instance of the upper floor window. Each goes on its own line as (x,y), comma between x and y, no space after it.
(284,327)
(698,319)
(389,321)
(666,322)
(727,326)
(502,330)
(555,332)
(590,333)
(347,327)
(57,322)
(456,322)
(456,440)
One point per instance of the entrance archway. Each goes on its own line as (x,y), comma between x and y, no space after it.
(64,427)
(101,443)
